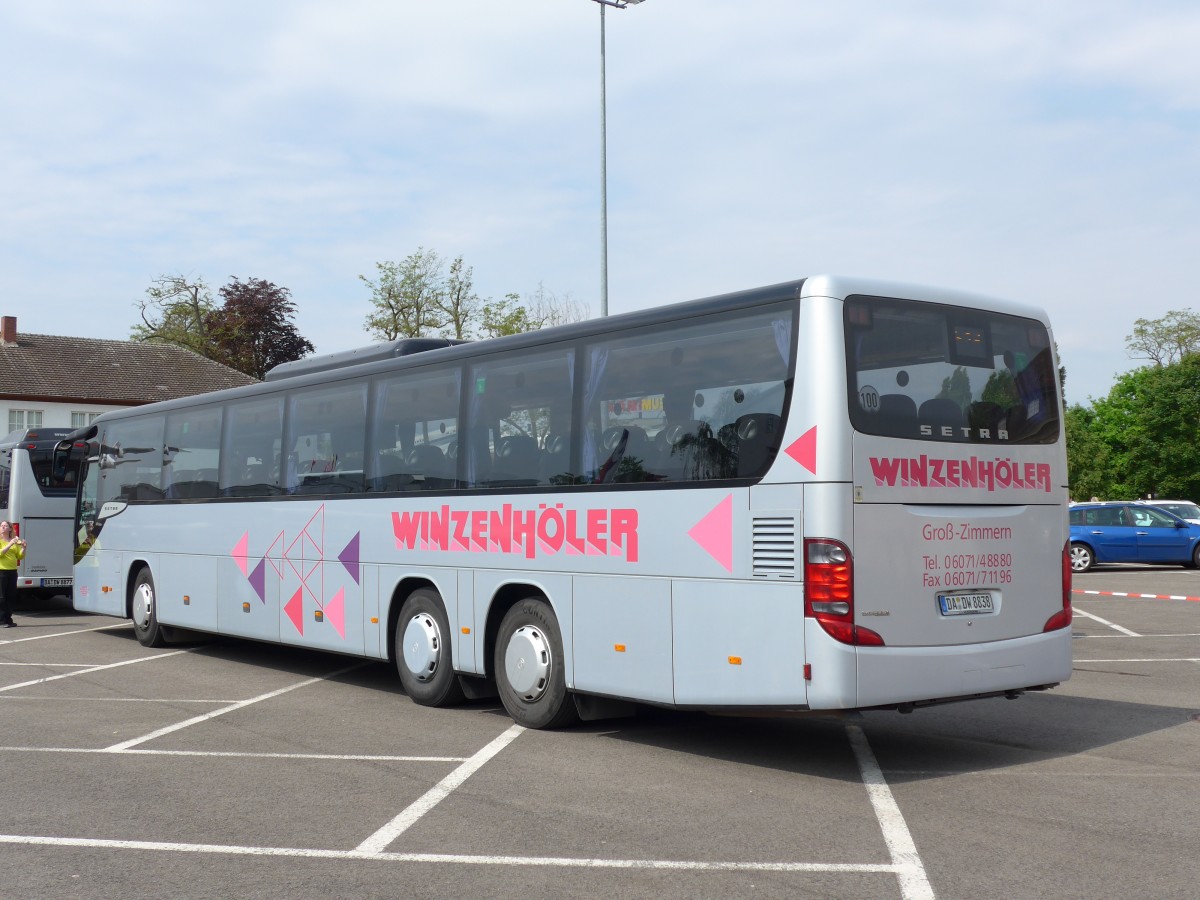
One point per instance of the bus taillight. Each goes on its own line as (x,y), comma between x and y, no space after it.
(1062,618)
(829,592)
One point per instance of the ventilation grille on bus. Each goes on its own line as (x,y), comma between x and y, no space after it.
(774,547)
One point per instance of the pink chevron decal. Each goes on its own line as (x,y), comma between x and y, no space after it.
(715,533)
(241,553)
(335,612)
(306,553)
(804,450)
(275,551)
(295,610)
(349,557)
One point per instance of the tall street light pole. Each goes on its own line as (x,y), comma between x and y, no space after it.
(616,4)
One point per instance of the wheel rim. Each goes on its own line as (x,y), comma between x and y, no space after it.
(527,662)
(422,647)
(143,606)
(1080,559)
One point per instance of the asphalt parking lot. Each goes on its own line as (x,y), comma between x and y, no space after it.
(228,769)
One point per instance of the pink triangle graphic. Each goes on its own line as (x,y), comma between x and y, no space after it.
(295,610)
(241,552)
(804,450)
(335,612)
(715,533)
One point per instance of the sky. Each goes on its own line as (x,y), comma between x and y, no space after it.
(1047,153)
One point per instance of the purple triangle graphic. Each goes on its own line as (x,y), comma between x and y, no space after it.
(258,580)
(349,557)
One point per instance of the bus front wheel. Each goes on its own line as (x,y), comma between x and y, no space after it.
(530,676)
(423,651)
(144,612)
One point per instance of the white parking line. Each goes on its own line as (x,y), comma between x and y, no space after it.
(906,864)
(233,707)
(914,884)
(238,754)
(1188,659)
(379,841)
(128,662)
(170,701)
(46,665)
(58,634)
(1112,625)
(445,858)
(1181,634)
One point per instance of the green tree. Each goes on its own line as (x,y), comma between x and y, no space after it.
(1150,425)
(415,299)
(174,311)
(1166,340)
(407,297)
(1089,463)
(459,301)
(506,316)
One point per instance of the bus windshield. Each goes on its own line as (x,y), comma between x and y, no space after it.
(933,372)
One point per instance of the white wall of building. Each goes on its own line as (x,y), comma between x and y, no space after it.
(18,414)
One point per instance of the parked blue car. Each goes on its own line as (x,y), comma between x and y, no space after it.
(1130,533)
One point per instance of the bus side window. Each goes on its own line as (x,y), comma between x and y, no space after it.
(414,430)
(192,453)
(250,455)
(685,387)
(517,402)
(135,453)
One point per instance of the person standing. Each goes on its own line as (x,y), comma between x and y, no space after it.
(12,551)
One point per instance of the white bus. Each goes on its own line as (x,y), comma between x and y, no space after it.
(39,499)
(827,494)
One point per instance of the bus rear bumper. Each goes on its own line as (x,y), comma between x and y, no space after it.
(895,676)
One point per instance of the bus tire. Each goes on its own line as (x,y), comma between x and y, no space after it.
(1082,558)
(424,657)
(529,667)
(144,612)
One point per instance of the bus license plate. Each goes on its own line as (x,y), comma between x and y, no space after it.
(966,604)
(56,582)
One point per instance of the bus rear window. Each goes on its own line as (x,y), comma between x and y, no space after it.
(52,483)
(939,373)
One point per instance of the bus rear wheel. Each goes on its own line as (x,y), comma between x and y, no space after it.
(530,676)
(423,651)
(144,612)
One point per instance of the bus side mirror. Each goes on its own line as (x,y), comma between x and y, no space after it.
(61,460)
